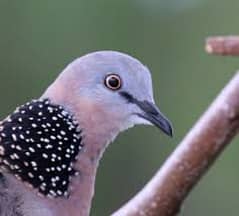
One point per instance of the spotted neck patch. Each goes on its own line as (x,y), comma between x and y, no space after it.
(39,144)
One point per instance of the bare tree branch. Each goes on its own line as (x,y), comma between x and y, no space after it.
(165,192)
(223,45)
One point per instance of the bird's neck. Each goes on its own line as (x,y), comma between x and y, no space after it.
(98,131)
(96,137)
(82,186)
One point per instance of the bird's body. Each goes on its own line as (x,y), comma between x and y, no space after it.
(50,147)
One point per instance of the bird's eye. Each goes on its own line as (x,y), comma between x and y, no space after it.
(113,82)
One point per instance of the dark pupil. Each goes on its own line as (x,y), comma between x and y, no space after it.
(113,82)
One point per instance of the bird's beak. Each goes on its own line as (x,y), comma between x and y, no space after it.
(152,114)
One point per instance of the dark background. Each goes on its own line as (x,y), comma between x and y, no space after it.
(39,38)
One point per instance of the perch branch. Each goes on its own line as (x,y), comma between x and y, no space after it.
(223,45)
(165,192)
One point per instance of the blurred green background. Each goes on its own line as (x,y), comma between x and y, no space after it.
(38,39)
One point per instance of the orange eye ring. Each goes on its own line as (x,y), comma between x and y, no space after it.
(113,82)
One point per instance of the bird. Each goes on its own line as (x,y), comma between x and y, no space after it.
(50,147)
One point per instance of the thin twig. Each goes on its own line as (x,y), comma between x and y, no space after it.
(223,45)
(164,194)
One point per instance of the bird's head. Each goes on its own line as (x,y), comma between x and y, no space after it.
(111,91)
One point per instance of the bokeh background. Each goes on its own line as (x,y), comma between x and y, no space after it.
(38,39)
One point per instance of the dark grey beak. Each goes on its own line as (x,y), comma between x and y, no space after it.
(151,113)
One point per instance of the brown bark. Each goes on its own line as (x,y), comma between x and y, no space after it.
(219,45)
